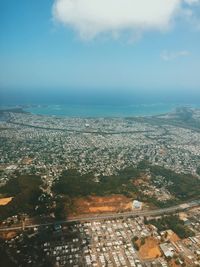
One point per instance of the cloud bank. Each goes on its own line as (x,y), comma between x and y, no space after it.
(93,17)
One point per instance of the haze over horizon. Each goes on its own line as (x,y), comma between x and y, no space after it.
(60,49)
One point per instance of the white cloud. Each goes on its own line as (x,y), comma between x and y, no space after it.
(168,56)
(93,17)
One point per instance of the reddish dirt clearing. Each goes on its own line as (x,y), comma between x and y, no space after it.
(150,249)
(5,201)
(94,204)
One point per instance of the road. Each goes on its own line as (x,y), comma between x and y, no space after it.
(181,207)
(92,131)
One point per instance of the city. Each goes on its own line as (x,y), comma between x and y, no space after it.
(141,157)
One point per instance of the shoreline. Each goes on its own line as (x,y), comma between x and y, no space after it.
(97,111)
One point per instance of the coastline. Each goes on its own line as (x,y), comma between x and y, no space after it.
(98,111)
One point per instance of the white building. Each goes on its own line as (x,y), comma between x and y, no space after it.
(167,250)
(137,204)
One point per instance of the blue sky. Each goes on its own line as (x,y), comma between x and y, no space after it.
(41,49)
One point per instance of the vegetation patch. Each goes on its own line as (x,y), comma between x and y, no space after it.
(198,170)
(174,223)
(183,186)
(26,191)
(73,184)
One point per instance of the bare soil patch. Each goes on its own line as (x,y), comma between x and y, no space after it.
(95,204)
(173,237)
(172,263)
(150,250)
(5,201)
(8,235)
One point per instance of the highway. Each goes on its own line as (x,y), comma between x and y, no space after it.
(78,131)
(181,207)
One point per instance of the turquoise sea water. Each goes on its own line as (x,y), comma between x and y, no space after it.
(92,103)
(103,110)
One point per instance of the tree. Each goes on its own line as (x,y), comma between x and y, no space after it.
(166,234)
(136,246)
(145,220)
(142,241)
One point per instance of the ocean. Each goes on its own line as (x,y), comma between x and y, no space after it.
(73,110)
(87,104)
